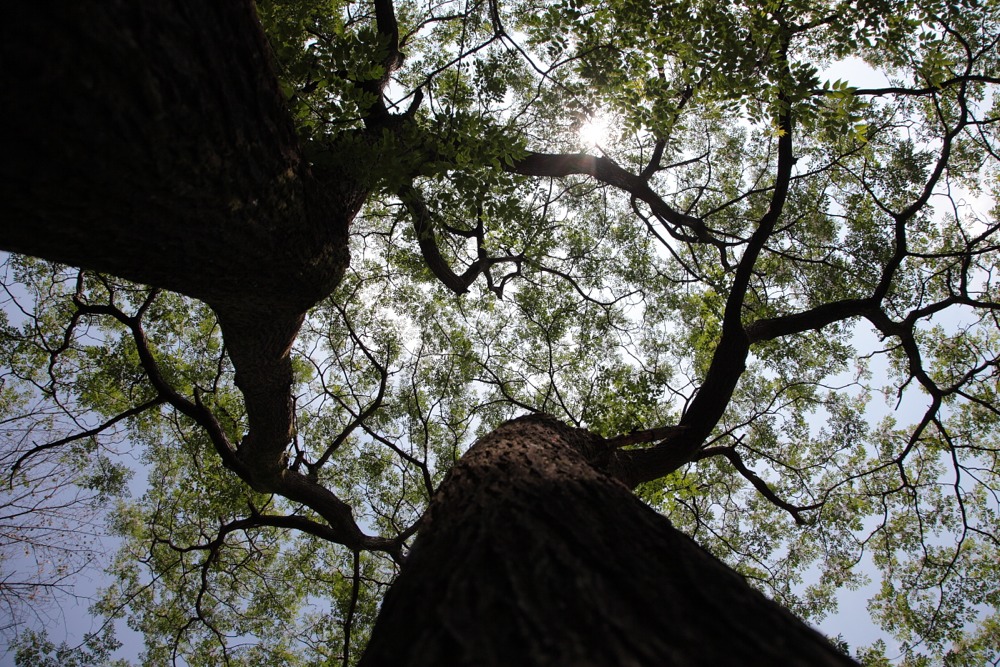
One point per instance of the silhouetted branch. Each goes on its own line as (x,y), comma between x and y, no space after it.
(131,412)
(762,487)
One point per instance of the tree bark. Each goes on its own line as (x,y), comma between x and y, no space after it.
(530,555)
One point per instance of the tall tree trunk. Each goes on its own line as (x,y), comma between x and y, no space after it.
(530,555)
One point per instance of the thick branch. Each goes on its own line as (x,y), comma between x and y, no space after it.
(260,458)
(729,359)
(808,320)
(423,224)
(377,114)
(644,436)
(344,530)
(606,171)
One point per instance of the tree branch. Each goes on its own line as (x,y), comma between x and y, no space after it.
(608,172)
(729,358)
(194,410)
(808,320)
(260,459)
(131,412)
(927,90)
(644,436)
(423,224)
(762,487)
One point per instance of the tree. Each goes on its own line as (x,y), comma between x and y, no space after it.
(309,359)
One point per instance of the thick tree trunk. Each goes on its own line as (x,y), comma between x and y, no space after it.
(531,556)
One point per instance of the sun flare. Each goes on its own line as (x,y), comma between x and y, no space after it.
(593,132)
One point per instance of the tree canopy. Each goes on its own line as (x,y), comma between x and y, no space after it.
(294,257)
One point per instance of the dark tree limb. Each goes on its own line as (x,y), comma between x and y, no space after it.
(635,466)
(644,436)
(729,359)
(89,433)
(264,469)
(813,319)
(424,224)
(377,114)
(608,172)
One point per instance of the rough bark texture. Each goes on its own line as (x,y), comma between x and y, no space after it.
(530,556)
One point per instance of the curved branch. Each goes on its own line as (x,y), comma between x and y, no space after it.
(644,436)
(729,358)
(198,412)
(258,462)
(605,170)
(762,487)
(424,223)
(324,531)
(903,217)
